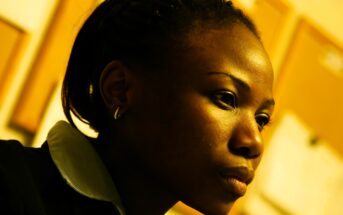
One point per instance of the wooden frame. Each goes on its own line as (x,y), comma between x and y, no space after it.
(50,64)
(13,40)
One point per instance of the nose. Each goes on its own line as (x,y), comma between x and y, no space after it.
(246,139)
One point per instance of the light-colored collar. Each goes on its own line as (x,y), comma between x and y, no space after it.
(80,165)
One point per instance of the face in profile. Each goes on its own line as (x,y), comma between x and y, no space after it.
(196,128)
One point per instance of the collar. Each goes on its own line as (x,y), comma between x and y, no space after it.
(80,165)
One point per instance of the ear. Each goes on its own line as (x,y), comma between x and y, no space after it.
(114,85)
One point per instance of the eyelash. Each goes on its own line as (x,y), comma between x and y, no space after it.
(228,100)
(262,120)
(225,99)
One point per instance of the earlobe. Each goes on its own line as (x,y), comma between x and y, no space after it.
(114,85)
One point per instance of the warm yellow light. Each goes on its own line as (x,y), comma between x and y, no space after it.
(248,4)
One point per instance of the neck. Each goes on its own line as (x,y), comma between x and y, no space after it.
(140,195)
(139,191)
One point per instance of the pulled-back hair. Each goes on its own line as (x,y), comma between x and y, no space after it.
(135,32)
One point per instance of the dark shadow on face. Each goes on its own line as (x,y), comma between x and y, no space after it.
(196,128)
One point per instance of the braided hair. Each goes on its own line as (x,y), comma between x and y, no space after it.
(136,32)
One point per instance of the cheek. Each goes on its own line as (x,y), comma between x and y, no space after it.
(180,132)
(199,130)
(181,145)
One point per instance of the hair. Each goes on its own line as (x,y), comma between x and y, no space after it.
(135,32)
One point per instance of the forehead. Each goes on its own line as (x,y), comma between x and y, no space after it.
(234,49)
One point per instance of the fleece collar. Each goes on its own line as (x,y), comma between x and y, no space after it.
(80,165)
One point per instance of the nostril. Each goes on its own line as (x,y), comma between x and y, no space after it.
(245,152)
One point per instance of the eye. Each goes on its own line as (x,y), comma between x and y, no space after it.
(225,99)
(262,120)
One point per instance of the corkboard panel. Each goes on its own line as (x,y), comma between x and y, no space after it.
(51,63)
(310,84)
(11,38)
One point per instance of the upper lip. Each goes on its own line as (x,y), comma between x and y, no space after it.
(241,173)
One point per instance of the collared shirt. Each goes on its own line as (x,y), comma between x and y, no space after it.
(80,165)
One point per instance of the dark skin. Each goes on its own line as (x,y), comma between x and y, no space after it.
(191,132)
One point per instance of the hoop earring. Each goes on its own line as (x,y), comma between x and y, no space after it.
(116,114)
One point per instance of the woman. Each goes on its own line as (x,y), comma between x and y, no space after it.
(179,92)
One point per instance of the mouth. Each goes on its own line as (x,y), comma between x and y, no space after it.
(237,179)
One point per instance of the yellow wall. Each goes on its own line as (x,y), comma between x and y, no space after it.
(328,14)
(31,15)
(33,18)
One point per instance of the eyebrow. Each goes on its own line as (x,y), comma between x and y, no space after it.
(242,84)
(269,103)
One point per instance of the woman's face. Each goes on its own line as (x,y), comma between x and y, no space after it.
(196,128)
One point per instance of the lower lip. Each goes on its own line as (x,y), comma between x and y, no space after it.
(236,186)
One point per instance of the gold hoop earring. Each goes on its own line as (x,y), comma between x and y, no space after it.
(116,114)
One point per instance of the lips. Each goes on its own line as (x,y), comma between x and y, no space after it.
(237,179)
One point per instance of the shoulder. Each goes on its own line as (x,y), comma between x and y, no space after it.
(30,182)
(10,146)
(13,155)
(11,152)
(26,163)
(16,185)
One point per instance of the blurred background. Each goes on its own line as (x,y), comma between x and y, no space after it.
(302,171)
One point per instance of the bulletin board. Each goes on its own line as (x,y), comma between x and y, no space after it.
(11,38)
(50,65)
(311,82)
